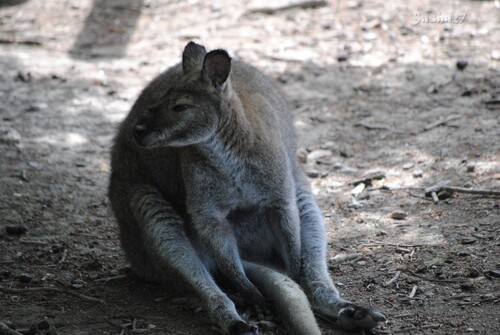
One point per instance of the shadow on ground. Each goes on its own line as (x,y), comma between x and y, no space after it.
(107,29)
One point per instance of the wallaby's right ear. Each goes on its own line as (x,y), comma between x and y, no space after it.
(192,57)
(216,67)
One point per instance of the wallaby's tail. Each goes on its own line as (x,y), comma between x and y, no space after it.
(292,303)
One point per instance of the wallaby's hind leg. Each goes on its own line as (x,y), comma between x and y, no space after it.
(166,243)
(319,287)
(218,237)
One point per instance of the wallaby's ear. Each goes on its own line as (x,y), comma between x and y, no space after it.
(216,67)
(192,57)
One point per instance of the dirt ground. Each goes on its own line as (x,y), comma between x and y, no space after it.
(399,95)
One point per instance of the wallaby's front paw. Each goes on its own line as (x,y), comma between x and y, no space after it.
(243,328)
(352,317)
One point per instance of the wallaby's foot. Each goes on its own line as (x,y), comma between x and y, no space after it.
(350,316)
(242,328)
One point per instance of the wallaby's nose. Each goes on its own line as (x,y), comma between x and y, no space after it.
(139,130)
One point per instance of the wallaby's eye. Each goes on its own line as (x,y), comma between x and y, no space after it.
(180,108)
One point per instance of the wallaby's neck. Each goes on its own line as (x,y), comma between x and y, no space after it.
(228,147)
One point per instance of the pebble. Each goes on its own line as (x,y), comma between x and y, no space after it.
(314,155)
(358,189)
(312,173)
(408,166)
(468,240)
(25,278)
(355,204)
(462,64)
(342,57)
(418,173)
(398,215)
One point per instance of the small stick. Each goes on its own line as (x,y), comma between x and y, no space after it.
(5,330)
(123,329)
(375,244)
(455,280)
(372,126)
(35,242)
(393,279)
(434,197)
(413,291)
(106,279)
(340,258)
(65,254)
(50,289)
(441,122)
(471,191)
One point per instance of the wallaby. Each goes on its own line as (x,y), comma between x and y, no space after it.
(205,179)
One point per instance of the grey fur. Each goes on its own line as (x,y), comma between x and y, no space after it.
(204,176)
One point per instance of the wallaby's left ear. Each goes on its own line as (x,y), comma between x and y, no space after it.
(216,67)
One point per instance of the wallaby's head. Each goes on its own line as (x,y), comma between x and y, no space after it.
(190,109)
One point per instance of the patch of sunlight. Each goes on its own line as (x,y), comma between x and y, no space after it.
(68,139)
(116,111)
(409,231)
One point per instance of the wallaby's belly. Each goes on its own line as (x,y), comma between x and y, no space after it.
(256,240)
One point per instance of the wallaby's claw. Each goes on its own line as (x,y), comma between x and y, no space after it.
(243,328)
(353,318)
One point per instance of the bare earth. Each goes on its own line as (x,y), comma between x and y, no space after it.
(398,105)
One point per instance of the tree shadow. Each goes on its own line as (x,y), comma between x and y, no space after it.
(107,29)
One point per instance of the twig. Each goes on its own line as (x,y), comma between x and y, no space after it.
(471,191)
(374,126)
(417,196)
(290,5)
(63,258)
(13,40)
(413,291)
(375,244)
(50,289)
(123,329)
(441,122)
(455,280)
(35,242)
(107,279)
(340,258)
(5,330)
(457,297)
(393,279)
